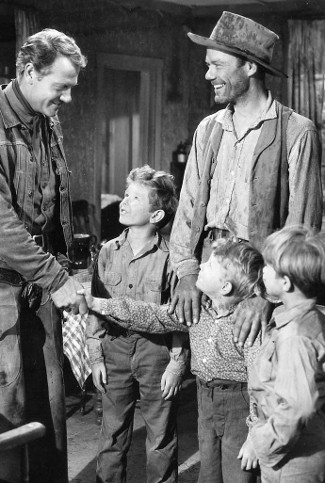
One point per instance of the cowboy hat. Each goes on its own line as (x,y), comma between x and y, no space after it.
(242,36)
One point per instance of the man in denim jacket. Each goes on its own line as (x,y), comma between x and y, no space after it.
(36,233)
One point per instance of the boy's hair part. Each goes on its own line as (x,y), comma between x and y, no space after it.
(162,190)
(42,48)
(244,265)
(298,253)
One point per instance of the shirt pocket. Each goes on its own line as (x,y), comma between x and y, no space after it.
(112,279)
(154,285)
(156,291)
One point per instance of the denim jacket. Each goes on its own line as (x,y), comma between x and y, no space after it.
(18,251)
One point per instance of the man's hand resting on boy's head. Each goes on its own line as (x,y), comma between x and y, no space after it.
(186,302)
(99,376)
(251,316)
(170,384)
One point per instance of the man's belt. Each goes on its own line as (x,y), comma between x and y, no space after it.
(43,240)
(10,276)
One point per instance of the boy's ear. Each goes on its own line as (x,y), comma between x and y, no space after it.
(226,289)
(287,284)
(157,216)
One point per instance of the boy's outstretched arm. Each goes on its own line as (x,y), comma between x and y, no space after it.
(135,314)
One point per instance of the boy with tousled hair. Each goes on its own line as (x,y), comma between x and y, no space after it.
(287,380)
(231,275)
(125,363)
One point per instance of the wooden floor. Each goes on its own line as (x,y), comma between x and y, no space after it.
(83,435)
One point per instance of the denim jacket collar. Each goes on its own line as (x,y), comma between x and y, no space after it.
(10,118)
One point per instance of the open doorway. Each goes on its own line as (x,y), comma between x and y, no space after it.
(128,121)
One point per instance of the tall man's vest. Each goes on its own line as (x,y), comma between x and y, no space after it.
(268,185)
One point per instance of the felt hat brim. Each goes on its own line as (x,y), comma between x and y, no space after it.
(211,44)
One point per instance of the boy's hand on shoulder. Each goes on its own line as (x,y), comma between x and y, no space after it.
(247,454)
(99,376)
(170,384)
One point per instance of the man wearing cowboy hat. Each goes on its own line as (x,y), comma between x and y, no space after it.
(253,167)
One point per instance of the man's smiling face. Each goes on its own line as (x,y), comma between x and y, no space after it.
(227,75)
(51,89)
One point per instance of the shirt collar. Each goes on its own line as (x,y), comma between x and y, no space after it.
(213,311)
(11,117)
(283,317)
(25,116)
(158,241)
(269,113)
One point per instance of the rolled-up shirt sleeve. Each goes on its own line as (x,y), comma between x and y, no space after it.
(182,259)
(305,179)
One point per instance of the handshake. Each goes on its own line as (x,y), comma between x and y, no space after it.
(72,297)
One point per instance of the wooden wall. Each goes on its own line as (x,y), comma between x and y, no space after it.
(109,27)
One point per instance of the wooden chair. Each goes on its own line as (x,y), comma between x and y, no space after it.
(21,437)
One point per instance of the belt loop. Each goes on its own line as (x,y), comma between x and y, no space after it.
(43,240)
(39,240)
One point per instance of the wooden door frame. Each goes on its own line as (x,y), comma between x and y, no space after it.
(150,110)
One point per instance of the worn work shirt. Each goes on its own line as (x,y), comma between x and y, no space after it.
(287,385)
(145,276)
(229,191)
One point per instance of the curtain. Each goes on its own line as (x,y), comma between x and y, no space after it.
(26,24)
(306,64)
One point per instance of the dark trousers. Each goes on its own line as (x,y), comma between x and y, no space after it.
(33,388)
(134,364)
(222,430)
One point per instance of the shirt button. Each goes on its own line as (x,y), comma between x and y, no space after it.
(204,360)
(30,194)
(210,340)
(130,285)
